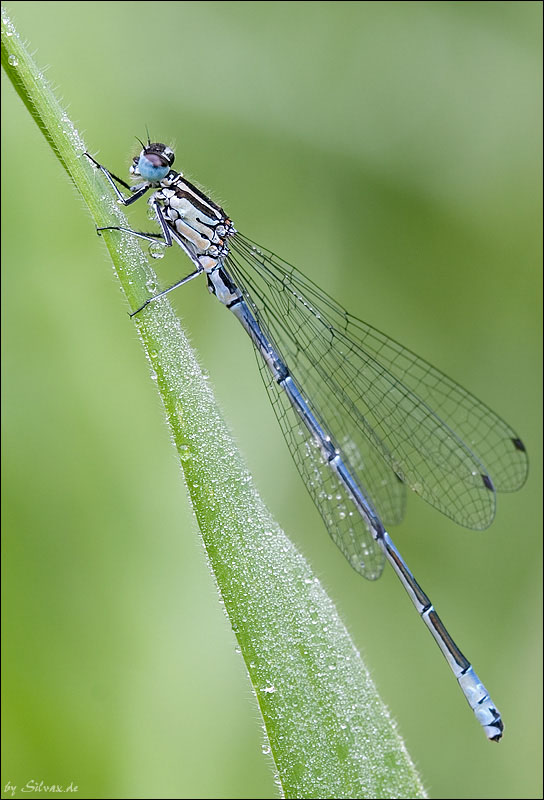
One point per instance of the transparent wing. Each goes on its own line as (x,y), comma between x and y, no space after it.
(404,420)
(340,515)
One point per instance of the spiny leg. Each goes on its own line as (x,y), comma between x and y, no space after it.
(165,291)
(112,179)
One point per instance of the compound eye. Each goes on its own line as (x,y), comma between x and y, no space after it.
(161,151)
(152,169)
(154,162)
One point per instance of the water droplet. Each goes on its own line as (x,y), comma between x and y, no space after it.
(12,60)
(185,453)
(156,250)
(269,690)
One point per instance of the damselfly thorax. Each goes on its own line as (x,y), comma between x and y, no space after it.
(200,226)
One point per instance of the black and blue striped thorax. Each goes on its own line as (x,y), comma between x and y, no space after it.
(203,226)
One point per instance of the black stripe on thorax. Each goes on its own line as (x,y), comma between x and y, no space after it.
(197,198)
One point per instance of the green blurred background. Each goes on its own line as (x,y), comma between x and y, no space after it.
(392,151)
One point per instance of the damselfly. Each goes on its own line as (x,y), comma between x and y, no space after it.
(363,417)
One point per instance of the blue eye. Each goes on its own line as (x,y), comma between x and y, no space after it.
(151,171)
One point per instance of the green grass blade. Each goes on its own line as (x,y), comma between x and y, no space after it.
(328,731)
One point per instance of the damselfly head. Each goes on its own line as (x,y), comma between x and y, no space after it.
(154,162)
